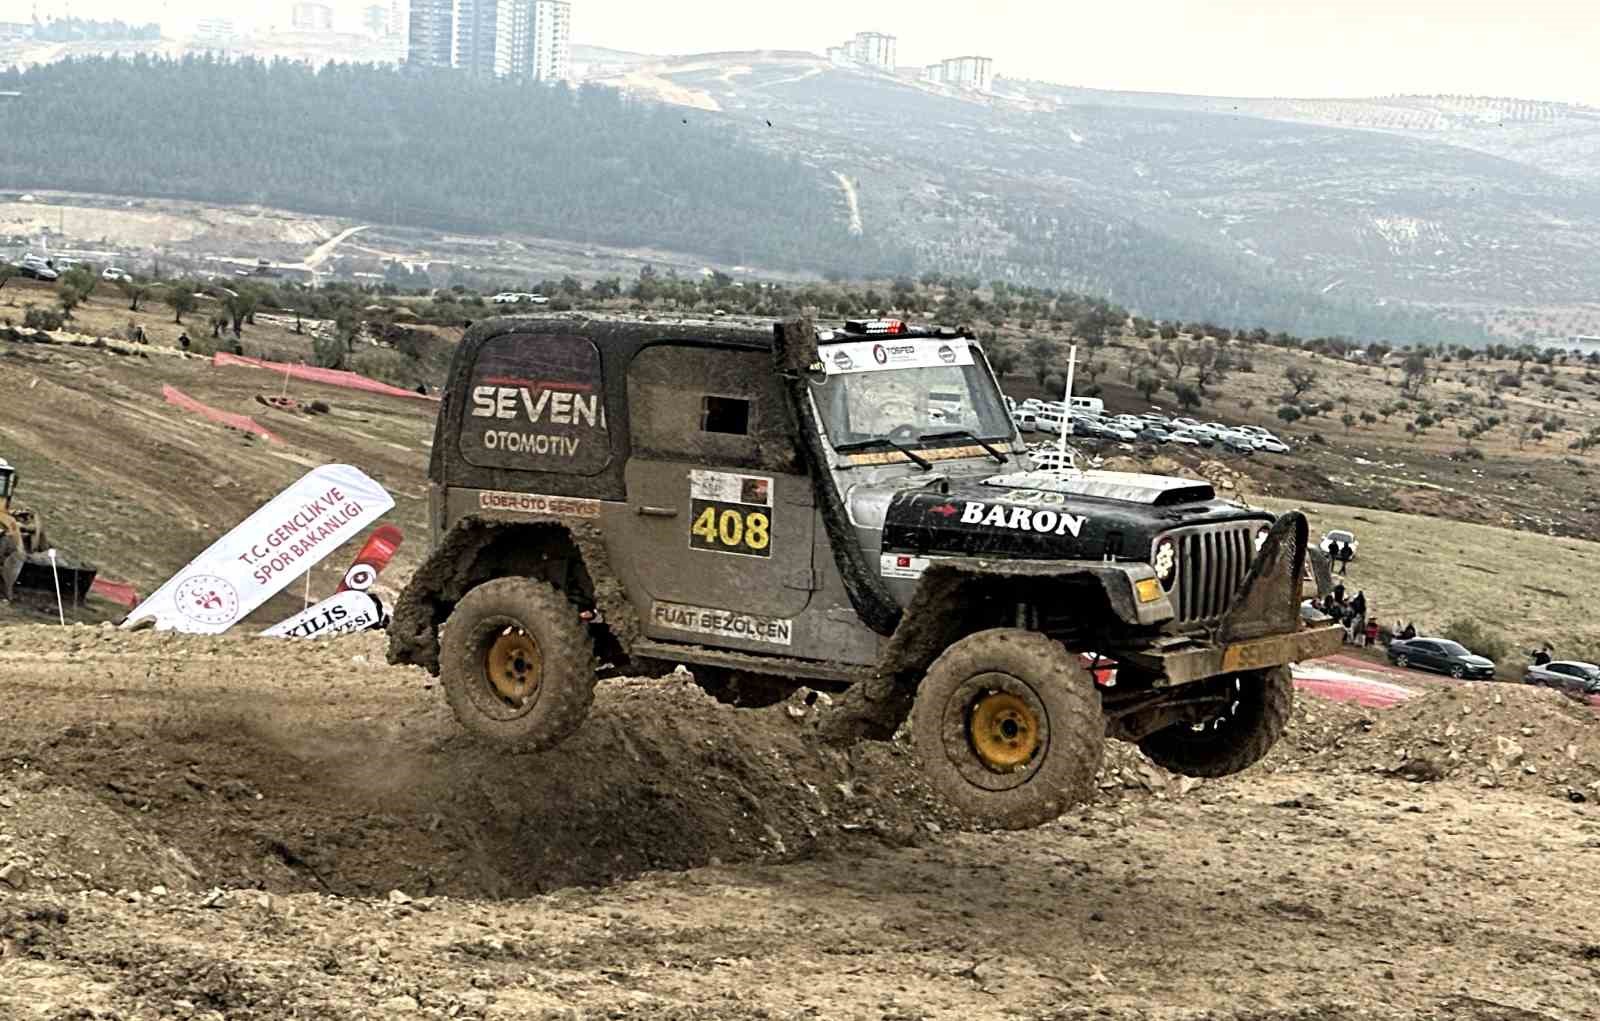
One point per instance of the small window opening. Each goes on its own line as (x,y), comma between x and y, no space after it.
(728,415)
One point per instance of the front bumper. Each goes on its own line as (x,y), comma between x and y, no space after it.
(1177,661)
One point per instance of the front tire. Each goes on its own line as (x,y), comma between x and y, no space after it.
(1007,726)
(1458,672)
(517,664)
(1254,716)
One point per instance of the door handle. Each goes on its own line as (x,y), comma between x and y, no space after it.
(658,512)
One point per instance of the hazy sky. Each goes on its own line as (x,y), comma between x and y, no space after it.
(1537,49)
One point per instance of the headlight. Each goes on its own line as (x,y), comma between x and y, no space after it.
(1165,562)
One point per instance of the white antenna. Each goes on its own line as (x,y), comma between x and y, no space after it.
(55,572)
(1066,416)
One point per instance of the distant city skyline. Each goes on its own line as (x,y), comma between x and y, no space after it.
(1536,49)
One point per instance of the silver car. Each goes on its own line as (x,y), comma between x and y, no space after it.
(1570,677)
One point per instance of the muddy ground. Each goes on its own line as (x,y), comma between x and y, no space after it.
(247,829)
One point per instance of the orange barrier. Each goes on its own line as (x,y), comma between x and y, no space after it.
(119,592)
(244,423)
(312,374)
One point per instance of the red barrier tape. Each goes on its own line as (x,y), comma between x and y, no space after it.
(331,377)
(119,592)
(243,423)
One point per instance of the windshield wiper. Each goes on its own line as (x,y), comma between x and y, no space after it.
(968,434)
(879,443)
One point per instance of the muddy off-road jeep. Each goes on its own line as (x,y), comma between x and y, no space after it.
(847,508)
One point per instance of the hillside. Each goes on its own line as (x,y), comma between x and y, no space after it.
(426,149)
(1316,217)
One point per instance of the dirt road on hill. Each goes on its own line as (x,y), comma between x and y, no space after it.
(237,828)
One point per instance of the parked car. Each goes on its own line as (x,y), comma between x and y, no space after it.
(1271,444)
(1185,439)
(1343,538)
(1441,655)
(1570,677)
(1185,423)
(1112,431)
(1237,442)
(37,268)
(1255,430)
(1025,420)
(114,274)
(1151,434)
(1049,420)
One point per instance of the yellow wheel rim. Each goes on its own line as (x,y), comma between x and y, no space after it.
(1004,731)
(512,664)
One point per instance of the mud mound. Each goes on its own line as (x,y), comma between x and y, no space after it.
(292,766)
(1484,734)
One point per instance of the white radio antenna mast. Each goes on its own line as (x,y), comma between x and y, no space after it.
(1066,416)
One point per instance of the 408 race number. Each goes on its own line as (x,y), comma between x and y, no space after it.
(731,528)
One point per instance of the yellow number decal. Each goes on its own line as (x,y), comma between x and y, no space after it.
(705,526)
(731,528)
(757,531)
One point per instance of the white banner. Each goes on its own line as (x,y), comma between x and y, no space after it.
(315,516)
(340,614)
(893,353)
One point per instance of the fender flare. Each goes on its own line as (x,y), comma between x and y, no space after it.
(453,569)
(924,631)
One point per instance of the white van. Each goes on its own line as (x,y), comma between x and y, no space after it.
(1049,421)
(1025,420)
(1090,405)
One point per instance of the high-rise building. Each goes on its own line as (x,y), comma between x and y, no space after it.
(432,36)
(477,25)
(494,38)
(311,17)
(872,48)
(550,41)
(976,73)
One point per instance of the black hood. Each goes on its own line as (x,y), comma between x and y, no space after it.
(1052,515)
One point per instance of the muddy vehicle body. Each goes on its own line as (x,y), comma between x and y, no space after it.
(838,508)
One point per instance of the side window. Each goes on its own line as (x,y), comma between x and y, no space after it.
(709,405)
(536,402)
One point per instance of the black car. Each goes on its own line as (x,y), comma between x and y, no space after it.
(1152,434)
(1441,655)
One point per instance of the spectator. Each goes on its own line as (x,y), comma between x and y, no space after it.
(183,341)
(1409,633)
(1541,655)
(1346,554)
(1372,632)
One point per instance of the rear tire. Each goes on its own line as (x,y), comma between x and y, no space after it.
(1250,724)
(517,664)
(1007,726)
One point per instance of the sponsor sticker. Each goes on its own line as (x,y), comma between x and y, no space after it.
(537,402)
(704,620)
(881,355)
(730,513)
(1022,519)
(533,503)
(901,565)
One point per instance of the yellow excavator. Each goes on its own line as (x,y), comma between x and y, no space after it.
(25,551)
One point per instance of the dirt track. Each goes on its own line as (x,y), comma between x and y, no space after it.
(199,828)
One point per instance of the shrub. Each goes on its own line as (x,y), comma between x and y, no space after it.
(1289,414)
(1479,639)
(43,319)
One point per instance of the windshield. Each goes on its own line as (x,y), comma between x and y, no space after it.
(5,483)
(863,400)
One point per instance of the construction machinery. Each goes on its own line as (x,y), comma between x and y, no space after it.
(26,532)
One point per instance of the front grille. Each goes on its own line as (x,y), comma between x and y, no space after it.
(1212,563)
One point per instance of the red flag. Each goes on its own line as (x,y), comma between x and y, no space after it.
(372,559)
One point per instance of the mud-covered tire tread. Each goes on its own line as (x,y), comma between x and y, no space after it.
(1179,750)
(564,645)
(1066,776)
